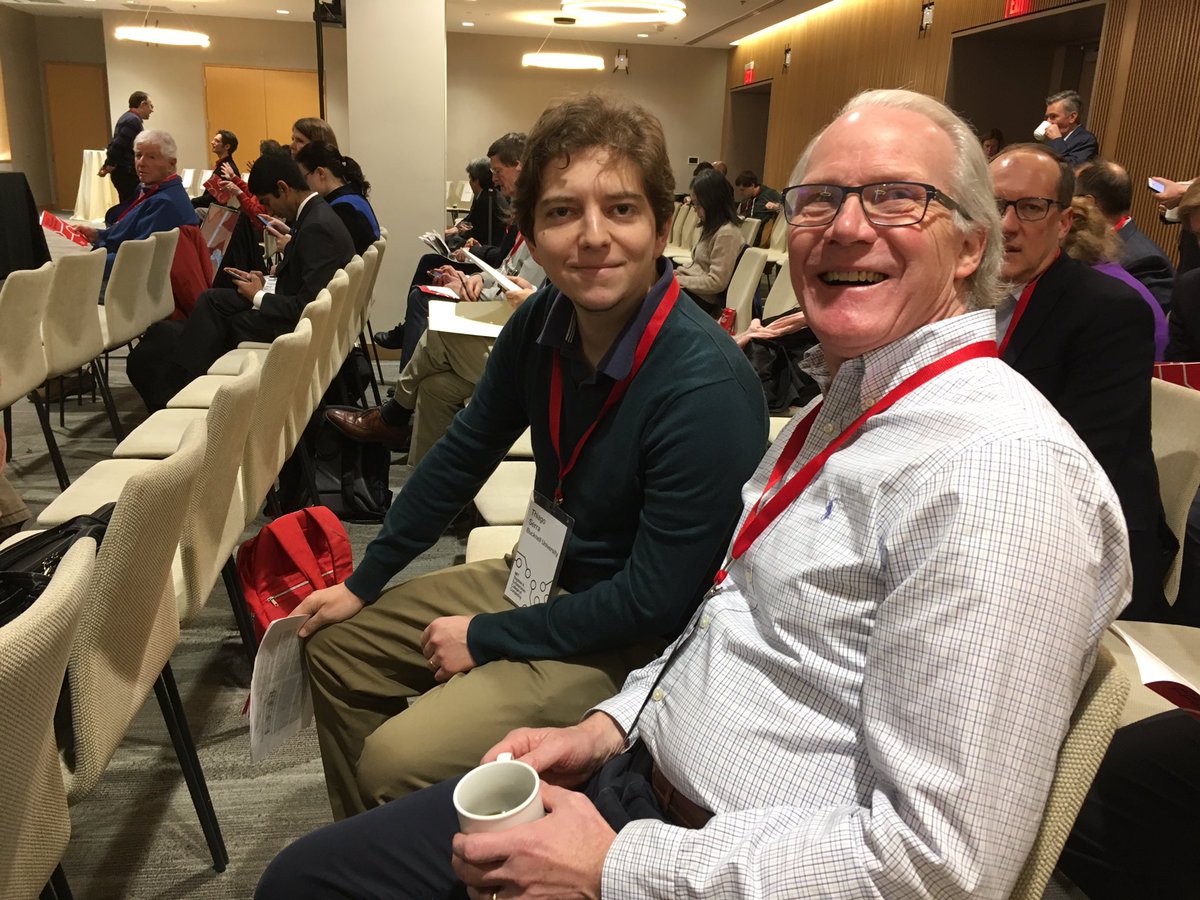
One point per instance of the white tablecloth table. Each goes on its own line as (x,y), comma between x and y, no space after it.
(95,194)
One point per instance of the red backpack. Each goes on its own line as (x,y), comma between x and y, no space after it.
(288,559)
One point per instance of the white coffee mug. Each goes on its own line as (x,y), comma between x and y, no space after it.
(1040,131)
(498,795)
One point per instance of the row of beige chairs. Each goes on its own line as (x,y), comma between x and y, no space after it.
(55,308)
(231,452)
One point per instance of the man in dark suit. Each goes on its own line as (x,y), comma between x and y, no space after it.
(1107,183)
(1064,135)
(255,310)
(1086,341)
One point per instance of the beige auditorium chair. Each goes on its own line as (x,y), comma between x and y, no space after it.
(492,542)
(778,246)
(34,823)
(1175,429)
(23,299)
(1091,729)
(158,278)
(70,329)
(681,233)
(781,297)
(123,316)
(740,295)
(750,228)
(522,447)
(504,497)
(129,628)
(775,425)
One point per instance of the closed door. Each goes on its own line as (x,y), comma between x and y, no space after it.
(77,101)
(256,104)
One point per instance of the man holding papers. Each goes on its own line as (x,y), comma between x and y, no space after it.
(871,699)
(639,462)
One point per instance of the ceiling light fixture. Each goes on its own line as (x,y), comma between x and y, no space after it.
(563,61)
(283,12)
(629,12)
(643,34)
(155,35)
(468,24)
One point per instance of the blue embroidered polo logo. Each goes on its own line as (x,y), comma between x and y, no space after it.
(828,510)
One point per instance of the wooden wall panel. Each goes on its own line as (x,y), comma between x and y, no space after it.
(853,45)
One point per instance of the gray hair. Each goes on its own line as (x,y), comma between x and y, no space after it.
(1071,101)
(970,183)
(165,142)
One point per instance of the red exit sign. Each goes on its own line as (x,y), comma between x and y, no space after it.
(1017,8)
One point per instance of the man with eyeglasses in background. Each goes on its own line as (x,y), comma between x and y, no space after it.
(1086,341)
(871,699)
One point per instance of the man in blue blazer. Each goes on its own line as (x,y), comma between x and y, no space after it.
(161,203)
(1065,136)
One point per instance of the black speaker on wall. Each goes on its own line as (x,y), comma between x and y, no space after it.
(330,12)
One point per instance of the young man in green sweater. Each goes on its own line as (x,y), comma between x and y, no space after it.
(646,421)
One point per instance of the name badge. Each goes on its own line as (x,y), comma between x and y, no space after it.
(540,550)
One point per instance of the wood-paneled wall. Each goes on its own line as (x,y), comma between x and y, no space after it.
(1145,107)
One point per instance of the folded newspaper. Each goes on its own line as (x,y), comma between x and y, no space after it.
(1180,642)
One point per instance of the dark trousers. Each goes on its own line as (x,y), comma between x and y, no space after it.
(1189,252)
(402,849)
(126,183)
(416,314)
(1138,829)
(173,353)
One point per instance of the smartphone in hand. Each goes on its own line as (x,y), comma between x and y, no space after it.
(1155,185)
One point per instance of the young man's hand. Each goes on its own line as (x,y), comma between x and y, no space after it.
(326,606)
(444,646)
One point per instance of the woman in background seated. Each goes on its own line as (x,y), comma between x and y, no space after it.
(489,211)
(339,179)
(1093,242)
(706,278)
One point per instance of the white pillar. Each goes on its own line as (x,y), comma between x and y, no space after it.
(396,75)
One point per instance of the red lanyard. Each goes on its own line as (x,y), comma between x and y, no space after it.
(761,516)
(1121,223)
(1022,302)
(665,305)
(516,245)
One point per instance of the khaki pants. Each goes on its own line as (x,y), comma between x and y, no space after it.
(363,671)
(438,380)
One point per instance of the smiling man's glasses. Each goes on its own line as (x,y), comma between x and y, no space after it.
(887,203)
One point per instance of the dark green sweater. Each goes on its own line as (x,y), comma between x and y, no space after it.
(655,493)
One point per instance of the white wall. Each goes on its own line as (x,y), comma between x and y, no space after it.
(174,76)
(23,101)
(489,93)
(398,130)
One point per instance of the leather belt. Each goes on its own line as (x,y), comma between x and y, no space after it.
(679,809)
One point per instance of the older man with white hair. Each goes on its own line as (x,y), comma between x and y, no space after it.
(161,203)
(871,699)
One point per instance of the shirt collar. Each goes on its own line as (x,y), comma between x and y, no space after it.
(304,203)
(875,373)
(562,333)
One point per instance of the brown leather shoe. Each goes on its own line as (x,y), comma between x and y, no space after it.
(367,427)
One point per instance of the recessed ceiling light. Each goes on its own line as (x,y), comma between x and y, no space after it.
(643,35)
(284,12)
(468,24)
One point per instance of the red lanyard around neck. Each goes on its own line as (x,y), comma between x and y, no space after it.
(1022,302)
(761,516)
(645,342)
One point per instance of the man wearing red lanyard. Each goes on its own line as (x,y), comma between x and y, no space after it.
(870,702)
(1086,341)
(646,421)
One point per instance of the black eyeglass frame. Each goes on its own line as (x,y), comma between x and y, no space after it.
(1003,205)
(931,193)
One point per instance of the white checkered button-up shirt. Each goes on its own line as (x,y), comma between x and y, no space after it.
(874,704)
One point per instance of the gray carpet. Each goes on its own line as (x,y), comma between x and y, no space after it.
(137,836)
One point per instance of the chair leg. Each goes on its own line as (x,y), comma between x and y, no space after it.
(57,888)
(362,339)
(8,434)
(375,352)
(241,614)
(43,413)
(189,762)
(109,407)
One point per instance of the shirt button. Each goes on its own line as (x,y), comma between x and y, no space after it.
(828,428)
(657,696)
(704,622)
